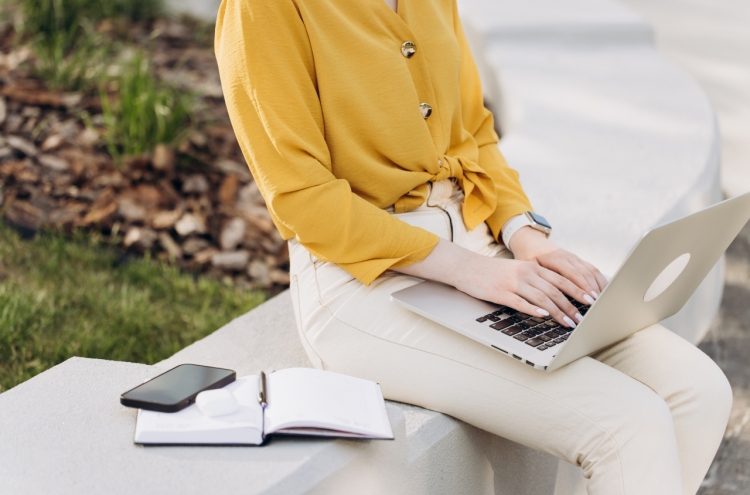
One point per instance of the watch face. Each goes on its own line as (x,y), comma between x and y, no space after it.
(540,220)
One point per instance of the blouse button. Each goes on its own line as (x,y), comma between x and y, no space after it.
(408,49)
(426,109)
(440,163)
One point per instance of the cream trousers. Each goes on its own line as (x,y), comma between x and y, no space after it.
(642,417)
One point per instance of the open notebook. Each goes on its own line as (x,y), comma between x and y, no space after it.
(301,401)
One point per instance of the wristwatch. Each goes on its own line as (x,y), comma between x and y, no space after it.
(528,219)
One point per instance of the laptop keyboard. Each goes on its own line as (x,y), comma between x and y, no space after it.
(540,332)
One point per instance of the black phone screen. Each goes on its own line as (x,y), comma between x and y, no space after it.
(176,388)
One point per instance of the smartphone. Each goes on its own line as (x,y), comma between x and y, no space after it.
(176,389)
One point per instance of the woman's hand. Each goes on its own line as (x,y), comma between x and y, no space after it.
(531,245)
(524,285)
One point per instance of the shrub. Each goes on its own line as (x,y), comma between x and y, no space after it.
(70,54)
(144,111)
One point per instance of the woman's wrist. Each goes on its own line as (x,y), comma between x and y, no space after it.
(528,242)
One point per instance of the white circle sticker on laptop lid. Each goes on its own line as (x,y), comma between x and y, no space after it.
(666,277)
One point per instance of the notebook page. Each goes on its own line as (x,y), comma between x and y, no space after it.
(309,398)
(189,426)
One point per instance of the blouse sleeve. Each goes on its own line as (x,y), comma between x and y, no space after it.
(269,83)
(511,199)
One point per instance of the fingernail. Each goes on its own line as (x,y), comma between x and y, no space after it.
(588,299)
(570,322)
(579,317)
(596,296)
(542,312)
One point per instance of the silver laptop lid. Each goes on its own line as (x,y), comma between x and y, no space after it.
(658,277)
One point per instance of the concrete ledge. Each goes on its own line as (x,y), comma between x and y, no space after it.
(69,434)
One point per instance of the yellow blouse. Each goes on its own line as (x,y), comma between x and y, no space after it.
(344,107)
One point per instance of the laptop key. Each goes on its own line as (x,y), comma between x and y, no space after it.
(542,347)
(559,340)
(511,330)
(523,325)
(521,337)
(545,338)
(501,324)
(482,319)
(537,319)
(534,342)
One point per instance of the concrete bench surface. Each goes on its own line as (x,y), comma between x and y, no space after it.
(64,431)
(610,138)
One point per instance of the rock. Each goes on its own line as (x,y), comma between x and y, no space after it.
(197,138)
(260,273)
(280,277)
(250,196)
(13,122)
(99,215)
(166,219)
(146,195)
(170,246)
(163,159)
(195,245)
(53,141)
(31,112)
(88,138)
(232,260)
(232,234)
(112,179)
(3,110)
(205,256)
(23,145)
(195,184)
(231,167)
(259,218)
(130,211)
(71,100)
(53,162)
(228,190)
(140,237)
(24,215)
(190,224)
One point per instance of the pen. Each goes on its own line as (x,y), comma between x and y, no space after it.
(262,393)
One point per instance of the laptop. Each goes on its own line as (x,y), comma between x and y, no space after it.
(659,275)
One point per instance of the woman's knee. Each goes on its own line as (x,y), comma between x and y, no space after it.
(706,388)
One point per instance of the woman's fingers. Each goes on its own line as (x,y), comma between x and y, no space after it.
(564,267)
(587,274)
(542,294)
(566,286)
(519,303)
(600,279)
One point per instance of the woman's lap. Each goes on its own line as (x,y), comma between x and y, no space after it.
(607,410)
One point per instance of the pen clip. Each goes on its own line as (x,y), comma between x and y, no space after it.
(262,396)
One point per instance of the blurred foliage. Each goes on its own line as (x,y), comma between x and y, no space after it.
(61,298)
(144,112)
(70,53)
(68,61)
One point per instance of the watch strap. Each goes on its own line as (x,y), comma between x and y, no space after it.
(511,227)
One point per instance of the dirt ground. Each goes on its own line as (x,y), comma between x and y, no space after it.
(728,343)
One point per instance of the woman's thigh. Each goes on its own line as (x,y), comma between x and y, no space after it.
(587,413)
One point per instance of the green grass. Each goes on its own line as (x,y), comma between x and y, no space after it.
(68,61)
(144,112)
(61,298)
(70,53)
